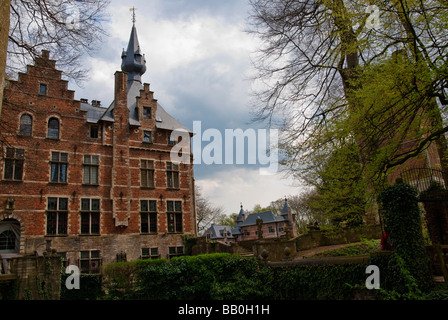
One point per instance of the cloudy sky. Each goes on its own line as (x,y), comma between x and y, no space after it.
(198,65)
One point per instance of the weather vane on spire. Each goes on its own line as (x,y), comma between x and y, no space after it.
(133,14)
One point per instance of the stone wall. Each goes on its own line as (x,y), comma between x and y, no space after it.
(275,250)
(37,277)
(318,238)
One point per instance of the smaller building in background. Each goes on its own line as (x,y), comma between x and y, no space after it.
(259,225)
(222,233)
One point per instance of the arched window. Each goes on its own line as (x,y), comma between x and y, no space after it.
(53,128)
(7,240)
(26,125)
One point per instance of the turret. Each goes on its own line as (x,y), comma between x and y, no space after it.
(241,216)
(133,61)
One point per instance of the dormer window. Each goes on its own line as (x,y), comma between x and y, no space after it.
(147,112)
(171,141)
(94,130)
(43,89)
(147,136)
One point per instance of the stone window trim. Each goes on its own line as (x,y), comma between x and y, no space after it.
(175,251)
(26,125)
(57,216)
(13,164)
(94,131)
(43,88)
(172,175)
(150,253)
(147,112)
(90,261)
(170,141)
(91,170)
(174,216)
(147,174)
(147,137)
(90,217)
(148,216)
(58,167)
(54,125)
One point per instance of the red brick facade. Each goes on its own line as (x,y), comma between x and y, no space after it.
(96,188)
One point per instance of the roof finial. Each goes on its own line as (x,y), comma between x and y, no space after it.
(133,14)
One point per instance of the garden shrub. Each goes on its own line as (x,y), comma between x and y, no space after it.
(120,278)
(90,288)
(209,276)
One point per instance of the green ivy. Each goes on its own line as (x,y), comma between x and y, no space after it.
(403,225)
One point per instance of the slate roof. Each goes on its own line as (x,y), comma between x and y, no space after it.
(164,120)
(135,69)
(217,231)
(266,216)
(94,113)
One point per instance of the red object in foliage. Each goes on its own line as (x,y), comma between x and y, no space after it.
(385,245)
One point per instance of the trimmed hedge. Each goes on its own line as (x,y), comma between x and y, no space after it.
(210,276)
(221,276)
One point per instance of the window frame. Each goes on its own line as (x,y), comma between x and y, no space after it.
(52,130)
(145,113)
(147,136)
(174,216)
(147,173)
(90,260)
(60,217)
(148,216)
(172,175)
(13,164)
(94,129)
(8,240)
(45,87)
(93,216)
(58,165)
(175,251)
(152,253)
(26,129)
(90,167)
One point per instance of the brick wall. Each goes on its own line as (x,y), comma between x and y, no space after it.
(119,148)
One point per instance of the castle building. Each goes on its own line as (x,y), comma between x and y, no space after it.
(98,182)
(248,226)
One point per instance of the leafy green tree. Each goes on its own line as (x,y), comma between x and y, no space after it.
(330,78)
(340,187)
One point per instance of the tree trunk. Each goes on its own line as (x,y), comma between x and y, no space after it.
(4,32)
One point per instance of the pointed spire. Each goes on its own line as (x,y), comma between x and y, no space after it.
(133,61)
(241,215)
(286,208)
